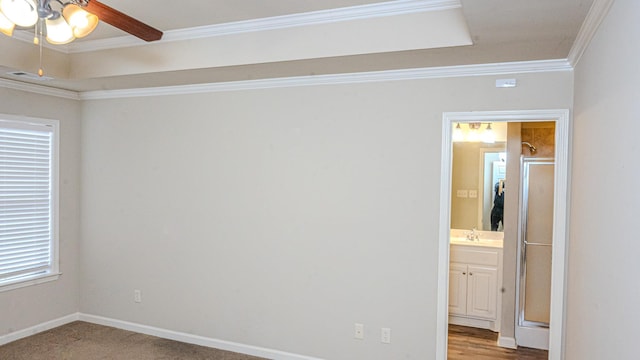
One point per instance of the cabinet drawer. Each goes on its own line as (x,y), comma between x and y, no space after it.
(474,256)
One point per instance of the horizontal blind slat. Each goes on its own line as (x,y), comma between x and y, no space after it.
(25,198)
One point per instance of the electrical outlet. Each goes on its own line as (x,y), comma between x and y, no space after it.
(358,331)
(137,296)
(385,335)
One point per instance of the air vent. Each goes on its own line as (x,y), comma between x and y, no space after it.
(30,76)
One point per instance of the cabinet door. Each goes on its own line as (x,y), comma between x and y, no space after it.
(482,291)
(457,289)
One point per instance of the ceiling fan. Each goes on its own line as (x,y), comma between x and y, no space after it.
(62,21)
(122,21)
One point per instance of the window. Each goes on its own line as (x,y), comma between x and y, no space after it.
(28,201)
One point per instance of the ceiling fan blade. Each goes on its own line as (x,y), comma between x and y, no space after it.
(122,21)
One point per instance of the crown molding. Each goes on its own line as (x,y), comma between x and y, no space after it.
(389,8)
(521,67)
(334,79)
(597,13)
(39,89)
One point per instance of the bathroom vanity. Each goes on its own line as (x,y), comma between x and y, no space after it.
(475,278)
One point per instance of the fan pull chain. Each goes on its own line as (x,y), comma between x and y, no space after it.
(39,42)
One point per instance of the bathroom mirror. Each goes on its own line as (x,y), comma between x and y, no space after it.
(476,169)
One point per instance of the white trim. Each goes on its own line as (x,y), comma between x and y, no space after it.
(598,11)
(195,339)
(51,273)
(507,342)
(351,13)
(154,331)
(39,89)
(335,79)
(519,67)
(32,280)
(368,11)
(36,329)
(560,231)
(473,322)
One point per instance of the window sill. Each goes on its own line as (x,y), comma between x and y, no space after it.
(28,281)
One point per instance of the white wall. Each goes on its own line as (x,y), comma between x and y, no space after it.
(33,305)
(603,317)
(280,217)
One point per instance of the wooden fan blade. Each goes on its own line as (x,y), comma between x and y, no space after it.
(122,21)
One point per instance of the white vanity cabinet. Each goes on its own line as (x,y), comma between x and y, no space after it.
(475,272)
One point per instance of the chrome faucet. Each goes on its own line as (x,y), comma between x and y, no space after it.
(472,235)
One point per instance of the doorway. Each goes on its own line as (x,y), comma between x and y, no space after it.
(557,294)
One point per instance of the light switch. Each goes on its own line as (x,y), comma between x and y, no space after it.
(473,194)
(462,193)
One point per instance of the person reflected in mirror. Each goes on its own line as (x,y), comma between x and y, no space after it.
(497,212)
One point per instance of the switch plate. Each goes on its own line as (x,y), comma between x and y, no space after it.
(462,193)
(137,296)
(358,331)
(385,335)
(473,194)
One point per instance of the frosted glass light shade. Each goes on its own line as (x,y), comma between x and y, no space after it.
(6,26)
(82,22)
(58,31)
(20,12)
(489,136)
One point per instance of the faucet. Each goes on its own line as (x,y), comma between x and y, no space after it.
(472,235)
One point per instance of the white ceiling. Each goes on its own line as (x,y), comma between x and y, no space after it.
(222,40)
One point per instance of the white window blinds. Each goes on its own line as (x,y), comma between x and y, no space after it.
(26,201)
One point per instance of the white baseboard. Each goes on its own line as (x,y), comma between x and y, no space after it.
(472,322)
(507,342)
(194,339)
(17,335)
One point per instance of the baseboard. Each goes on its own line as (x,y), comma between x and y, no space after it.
(194,339)
(507,342)
(17,335)
(472,322)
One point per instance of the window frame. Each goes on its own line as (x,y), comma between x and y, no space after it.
(53,273)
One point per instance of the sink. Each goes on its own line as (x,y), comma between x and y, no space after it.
(494,243)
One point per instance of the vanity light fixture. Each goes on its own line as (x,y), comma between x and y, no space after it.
(458,135)
(489,136)
(474,134)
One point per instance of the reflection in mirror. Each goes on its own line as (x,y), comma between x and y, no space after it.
(478,175)
(493,167)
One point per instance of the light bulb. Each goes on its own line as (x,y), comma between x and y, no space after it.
(457,134)
(6,26)
(81,21)
(58,31)
(489,136)
(20,12)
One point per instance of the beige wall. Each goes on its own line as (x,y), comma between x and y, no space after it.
(603,317)
(279,217)
(33,305)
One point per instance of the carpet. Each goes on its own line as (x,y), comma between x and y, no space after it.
(85,341)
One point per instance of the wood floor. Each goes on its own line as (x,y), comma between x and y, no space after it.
(466,343)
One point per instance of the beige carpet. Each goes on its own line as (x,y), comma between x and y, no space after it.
(84,341)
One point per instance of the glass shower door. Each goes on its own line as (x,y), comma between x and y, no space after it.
(535,251)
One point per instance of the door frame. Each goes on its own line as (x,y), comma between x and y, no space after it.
(560,229)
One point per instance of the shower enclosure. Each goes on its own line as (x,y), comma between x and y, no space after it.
(535,246)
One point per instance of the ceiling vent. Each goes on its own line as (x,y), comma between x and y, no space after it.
(29,76)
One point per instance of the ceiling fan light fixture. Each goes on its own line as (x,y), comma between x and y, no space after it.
(58,31)
(20,12)
(81,21)
(6,26)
